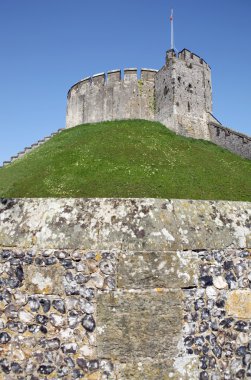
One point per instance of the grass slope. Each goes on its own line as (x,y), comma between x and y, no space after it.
(133,158)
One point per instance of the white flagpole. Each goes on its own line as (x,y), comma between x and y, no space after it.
(172,36)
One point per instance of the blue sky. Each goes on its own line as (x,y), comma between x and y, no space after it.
(47,45)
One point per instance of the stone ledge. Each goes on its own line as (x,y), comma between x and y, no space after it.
(134,224)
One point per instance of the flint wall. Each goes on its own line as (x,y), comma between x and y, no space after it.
(124,289)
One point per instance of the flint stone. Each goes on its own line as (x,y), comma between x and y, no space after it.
(44,280)
(133,325)
(157,270)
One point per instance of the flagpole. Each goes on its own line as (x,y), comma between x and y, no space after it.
(172,37)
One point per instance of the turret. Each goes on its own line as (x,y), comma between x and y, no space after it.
(183,94)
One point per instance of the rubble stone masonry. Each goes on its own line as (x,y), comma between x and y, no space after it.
(139,289)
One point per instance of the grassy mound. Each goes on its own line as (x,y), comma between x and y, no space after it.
(133,158)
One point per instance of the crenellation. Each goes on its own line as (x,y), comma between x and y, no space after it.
(170,54)
(148,74)
(113,76)
(130,74)
(99,79)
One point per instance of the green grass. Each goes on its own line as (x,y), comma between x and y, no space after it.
(133,158)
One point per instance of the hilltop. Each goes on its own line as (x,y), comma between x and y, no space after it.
(130,158)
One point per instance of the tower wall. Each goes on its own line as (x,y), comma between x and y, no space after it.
(109,97)
(184,95)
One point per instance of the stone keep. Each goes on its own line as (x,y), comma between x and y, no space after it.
(183,94)
(178,95)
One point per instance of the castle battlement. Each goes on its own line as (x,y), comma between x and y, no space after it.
(115,76)
(188,56)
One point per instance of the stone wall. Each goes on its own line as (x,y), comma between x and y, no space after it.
(227,138)
(124,289)
(110,97)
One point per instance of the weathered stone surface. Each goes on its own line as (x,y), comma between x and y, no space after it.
(132,324)
(132,224)
(95,99)
(239,303)
(140,310)
(44,280)
(157,270)
(234,141)
(150,370)
(216,224)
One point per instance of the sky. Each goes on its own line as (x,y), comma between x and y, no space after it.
(48,45)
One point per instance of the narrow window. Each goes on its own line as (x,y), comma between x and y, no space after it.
(166,90)
(190,88)
(188,107)
(179,79)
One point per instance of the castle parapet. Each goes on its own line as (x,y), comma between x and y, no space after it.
(130,74)
(227,138)
(113,76)
(148,74)
(99,79)
(192,58)
(112,96)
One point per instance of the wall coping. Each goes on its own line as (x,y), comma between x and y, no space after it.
(129,224)
(218,125)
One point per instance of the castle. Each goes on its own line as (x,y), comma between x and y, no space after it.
(179,96)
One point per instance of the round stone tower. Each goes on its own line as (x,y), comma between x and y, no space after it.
(110,97)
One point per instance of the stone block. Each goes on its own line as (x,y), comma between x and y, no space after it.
(139,325)
(44,280)
(150,370)
(239,303)
(157,270)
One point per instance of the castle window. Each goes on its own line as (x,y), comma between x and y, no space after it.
(179,79)
(166,90)
(188,107)
(177,104)
(190,88)
(191,55)
(190,66)
(201,61)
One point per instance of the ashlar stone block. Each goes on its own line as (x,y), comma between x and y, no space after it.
(139,325)
(157,270)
